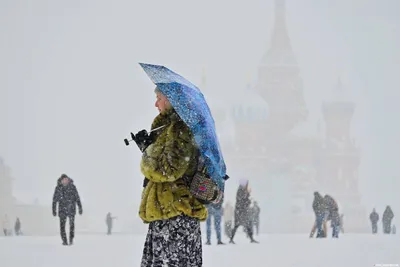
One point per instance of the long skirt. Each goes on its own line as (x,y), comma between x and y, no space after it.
(175,242)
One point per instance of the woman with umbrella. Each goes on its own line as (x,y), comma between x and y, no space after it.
(170,154)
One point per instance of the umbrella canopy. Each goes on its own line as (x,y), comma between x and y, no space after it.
(189,103)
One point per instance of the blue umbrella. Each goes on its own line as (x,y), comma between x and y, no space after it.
(189,103)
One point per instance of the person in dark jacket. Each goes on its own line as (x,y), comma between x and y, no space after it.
(333,214)
(387,218)
(17,227)
(109,222)
(67,197)
(242,211)
(374,218)
(319,209)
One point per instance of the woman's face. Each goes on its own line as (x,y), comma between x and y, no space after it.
(162,102)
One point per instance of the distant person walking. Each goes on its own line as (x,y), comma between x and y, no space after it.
(332,209)
(387,218)
(374,218)
(319,209)
(109,222)
(67,197)
(242,211)
(6,225)
(17,227)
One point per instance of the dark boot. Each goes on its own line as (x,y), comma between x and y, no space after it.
(220,243)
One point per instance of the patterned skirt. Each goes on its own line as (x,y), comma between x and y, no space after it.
(173,243)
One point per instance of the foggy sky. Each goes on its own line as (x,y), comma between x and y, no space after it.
(71,88)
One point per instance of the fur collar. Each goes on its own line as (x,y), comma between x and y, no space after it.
(165,118)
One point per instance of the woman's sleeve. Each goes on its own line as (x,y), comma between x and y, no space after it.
(169,157)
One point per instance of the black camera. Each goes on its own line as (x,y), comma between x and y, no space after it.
(143,139)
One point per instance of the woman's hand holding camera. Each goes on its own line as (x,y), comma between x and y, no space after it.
(143,139)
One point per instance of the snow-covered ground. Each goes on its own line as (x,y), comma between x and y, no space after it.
(274,250)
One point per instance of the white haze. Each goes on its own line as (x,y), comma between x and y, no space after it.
(71,88)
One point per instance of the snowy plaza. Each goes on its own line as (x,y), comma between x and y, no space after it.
(274,250)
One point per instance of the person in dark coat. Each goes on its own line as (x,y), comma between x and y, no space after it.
(374,218)
(17,227)
(242,211)
(319,209)
(67,197)
(333,215)
(109,222)
(255,215)
(387,218)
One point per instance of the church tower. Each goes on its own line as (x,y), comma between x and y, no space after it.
(340,158)
(279,83)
